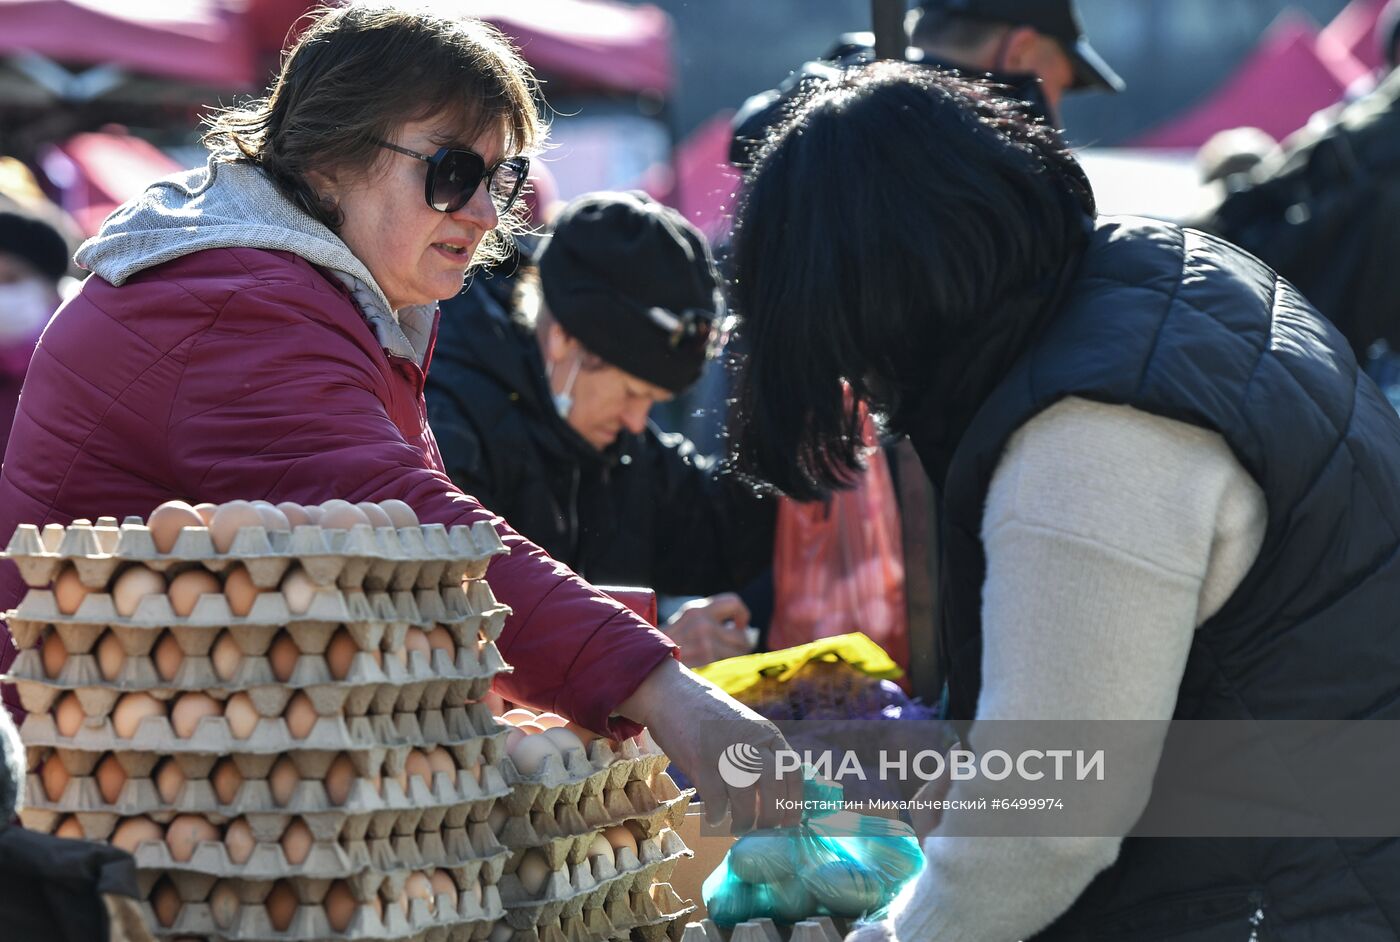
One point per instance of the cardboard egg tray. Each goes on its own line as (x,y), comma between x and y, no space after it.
(605,766)
(459,729)
(367,811)
(565,834)
(651,914)
(422,556)
(466,920)
(423,682)
(466,613)
(815,929)
(571,889)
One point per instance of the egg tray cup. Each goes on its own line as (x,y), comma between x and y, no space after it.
(424,682)
(465,921)
(639,800)
(565,835)
(466,613)
(811,929)
(463,730)
(626,761)
(572,889)
(404,558)
(367,811)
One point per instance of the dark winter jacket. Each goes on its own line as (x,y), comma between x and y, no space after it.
(1328,217)
(647,511)
(1185,326)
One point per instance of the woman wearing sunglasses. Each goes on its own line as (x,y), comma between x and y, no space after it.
(261,328)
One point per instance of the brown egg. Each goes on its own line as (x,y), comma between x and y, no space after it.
(283,780)
(70,829)
(53,655)
(440,760)
(418,886)
(296,842)
(584,734)
(165,900)
(619,837)
(533,871)
(340,905)
(54,777)
(224,904)
(167,656)
(376,516)
(206,512)
(475,771)
(170,779)
(110,656)
(416,765)
(399,513)
(299,591)
(440,639)
(133,585)
(111,779)
(295,513)
(69,715)
(549,720)
(272,518)
(131,709)
(69,591)
(226,657)
(341,515)
(239,840)
(227,780)
(442,885)
(186,588)
(133,832)
(189,709)
(517,716)
(282,656)
(167,520)
(240,591)
(300,716)
(340,653)
(281,905)
(186,832)
(339,778)
(229,519)
(241,715)
(416,639)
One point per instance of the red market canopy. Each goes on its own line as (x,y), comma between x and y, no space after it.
(101,170)
(201,41)
(1282,84)
(1352,35)
(706,184)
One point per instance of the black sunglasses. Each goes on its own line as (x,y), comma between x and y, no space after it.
(454,173)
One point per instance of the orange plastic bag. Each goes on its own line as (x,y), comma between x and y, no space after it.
(838,565)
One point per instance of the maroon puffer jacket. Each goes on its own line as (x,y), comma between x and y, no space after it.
(243,373)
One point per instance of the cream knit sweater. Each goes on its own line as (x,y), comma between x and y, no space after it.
(1110,536)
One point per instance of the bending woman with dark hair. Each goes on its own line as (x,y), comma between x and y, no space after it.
(261,328)
(1167,492)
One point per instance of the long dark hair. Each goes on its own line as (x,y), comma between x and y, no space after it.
(884,228)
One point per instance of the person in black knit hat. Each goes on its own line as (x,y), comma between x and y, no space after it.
(540,406)
(33,258)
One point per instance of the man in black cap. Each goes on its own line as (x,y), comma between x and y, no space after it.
(540,409)
(1036,47)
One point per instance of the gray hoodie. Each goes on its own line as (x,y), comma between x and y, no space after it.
(235,205)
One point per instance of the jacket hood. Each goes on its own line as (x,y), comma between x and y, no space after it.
(235,205)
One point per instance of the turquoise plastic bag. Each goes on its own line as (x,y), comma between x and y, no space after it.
(835,863)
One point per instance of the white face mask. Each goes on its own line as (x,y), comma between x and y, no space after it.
(25,307)
(564,400)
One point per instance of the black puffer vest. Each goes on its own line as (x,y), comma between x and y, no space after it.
(1186,326)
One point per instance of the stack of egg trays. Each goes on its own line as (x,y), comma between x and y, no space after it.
(375,715)
(564,806)
(815,929)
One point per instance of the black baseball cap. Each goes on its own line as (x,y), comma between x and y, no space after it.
(1057,19)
